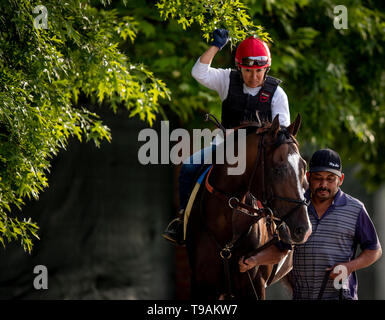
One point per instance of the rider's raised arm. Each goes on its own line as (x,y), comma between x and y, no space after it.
(212,78)
(208,56)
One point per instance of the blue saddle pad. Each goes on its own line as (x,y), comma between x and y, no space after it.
(203,175)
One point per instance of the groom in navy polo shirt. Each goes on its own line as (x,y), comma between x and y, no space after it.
(339,224)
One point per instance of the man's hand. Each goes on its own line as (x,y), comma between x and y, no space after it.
(221,36)
(247,264)
(343,265)
(270,255)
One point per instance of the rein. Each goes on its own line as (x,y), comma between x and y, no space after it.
(255,214)
(323,287)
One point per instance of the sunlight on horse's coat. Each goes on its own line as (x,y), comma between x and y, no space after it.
(293,159)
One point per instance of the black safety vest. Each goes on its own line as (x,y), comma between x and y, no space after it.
(239,107)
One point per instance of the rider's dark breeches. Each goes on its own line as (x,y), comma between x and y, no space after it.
(189,173)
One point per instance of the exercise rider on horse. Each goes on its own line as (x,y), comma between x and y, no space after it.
(244,91)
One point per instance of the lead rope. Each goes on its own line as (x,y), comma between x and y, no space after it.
(252,284)
(323,287)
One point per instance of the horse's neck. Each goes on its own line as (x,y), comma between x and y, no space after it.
(233,185)
(238,185)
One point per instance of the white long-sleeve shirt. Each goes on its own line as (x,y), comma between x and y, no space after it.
(219,80)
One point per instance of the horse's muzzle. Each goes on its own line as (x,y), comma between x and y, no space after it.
(301,234)
(298,236)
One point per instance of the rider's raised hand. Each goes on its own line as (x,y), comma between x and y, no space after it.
(221,37)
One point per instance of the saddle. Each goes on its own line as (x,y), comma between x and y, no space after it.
(203,172)
(249,199)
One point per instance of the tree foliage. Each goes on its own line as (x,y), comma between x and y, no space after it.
(210,15)
(42,74)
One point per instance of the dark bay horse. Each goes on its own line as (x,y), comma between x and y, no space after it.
(234,214)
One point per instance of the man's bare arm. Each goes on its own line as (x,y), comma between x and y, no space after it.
(270,255)
(365,259)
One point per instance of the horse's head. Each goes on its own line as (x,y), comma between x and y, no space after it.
(282,171)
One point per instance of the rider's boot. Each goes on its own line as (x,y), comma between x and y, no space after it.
(174,230)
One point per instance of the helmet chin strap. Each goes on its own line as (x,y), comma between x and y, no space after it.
(267,70)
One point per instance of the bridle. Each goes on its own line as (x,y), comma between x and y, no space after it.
(264,205)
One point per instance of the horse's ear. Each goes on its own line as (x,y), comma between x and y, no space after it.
(294,127)
(275,126)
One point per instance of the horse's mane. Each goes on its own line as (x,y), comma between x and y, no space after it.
(282,137)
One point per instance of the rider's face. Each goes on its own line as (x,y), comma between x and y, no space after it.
(253,77)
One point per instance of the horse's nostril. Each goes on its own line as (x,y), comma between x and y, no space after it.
(298,232)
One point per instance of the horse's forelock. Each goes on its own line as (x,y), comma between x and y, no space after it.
(283,137)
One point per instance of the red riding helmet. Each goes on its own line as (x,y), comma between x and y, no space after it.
(253,53)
